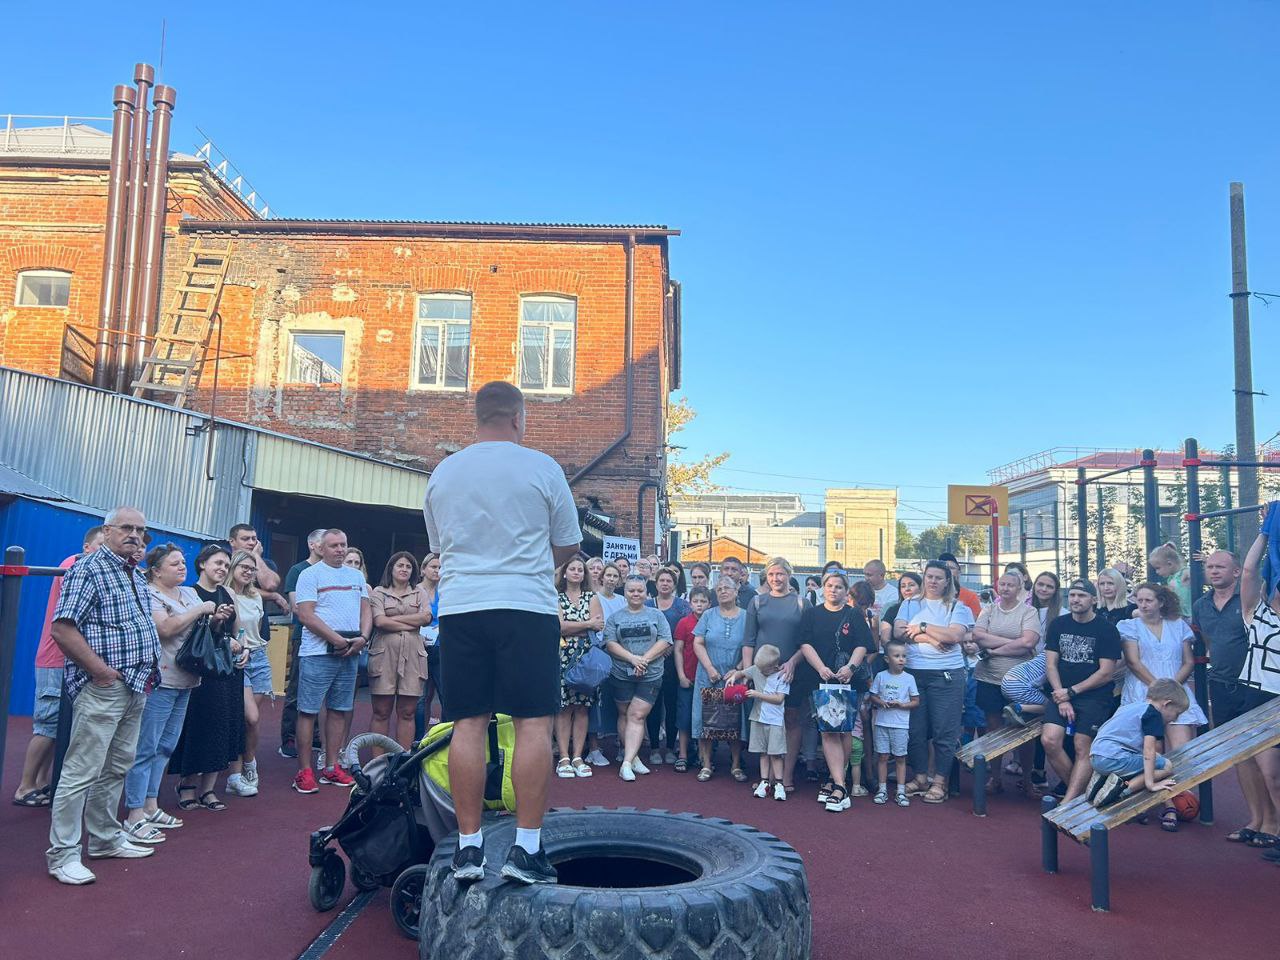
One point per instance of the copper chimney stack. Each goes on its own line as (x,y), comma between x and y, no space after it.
(117,192)
(164,99)
(144,75)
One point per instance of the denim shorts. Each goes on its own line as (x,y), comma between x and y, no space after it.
(325,680)
(1129,765)
(44,718)
(257,672)
(891,741)
(624,691)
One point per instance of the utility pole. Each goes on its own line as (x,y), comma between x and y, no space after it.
(1246,524)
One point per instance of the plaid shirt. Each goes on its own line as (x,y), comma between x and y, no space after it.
(108,602)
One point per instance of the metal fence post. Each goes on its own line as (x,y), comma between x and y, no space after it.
(1048,835)
(10,588)
(1100,867)
(981,774)
(1191,462)
(1082,522)
(1102,526)
(1150,506)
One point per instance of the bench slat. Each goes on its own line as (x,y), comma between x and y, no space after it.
(997,744)
(1200,760)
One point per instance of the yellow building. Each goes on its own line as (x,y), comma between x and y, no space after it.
(861,526)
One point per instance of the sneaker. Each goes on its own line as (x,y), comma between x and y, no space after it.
(656,758)
(237,784)
(305,781)
(288,749)
(858,790)
(597,759)
(250,774)
(620,756)
(337,777)
(124,850)
(671,756)
(1095,785)
(581,769)
(1013,714)
(882,796)
(626,773)
(528,867)
(564,769)
(901,799)
(761,790)
(1112,789)
(779,792)
(73,872)
(639,767)
(468,864)
(320,761)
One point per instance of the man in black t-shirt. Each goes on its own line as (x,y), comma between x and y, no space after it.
(1081,650)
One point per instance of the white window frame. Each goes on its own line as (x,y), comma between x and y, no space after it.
(552,327)
(443,327)
(293,341)
(839,545)
(41,274)
(839,518)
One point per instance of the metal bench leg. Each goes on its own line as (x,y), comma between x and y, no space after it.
(1206,802)
(1048,836)
(1100,867)
(953,786)
(980,776)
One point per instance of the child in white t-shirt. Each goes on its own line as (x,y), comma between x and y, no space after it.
(768,730)
(894,695)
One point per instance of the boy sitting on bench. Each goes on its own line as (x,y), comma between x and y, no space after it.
(1124,754)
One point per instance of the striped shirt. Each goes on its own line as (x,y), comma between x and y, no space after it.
(107,601)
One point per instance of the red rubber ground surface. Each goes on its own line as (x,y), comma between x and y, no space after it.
(926,881)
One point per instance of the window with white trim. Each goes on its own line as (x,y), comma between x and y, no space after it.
(316,357)
(43,288)
(839,519)
(442,343)
(839,545)
(547,331)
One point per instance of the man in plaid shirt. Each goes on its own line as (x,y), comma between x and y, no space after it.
(104,627)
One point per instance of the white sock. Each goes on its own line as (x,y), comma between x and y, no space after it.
(531,840)
(251,765)
(470,839)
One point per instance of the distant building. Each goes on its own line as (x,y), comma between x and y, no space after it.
(861,525)
(776,524)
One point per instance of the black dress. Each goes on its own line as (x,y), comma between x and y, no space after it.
(213,733)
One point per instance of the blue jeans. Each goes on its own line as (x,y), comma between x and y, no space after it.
(161,726)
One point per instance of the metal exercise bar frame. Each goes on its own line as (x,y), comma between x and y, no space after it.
(1150,507)
(1191,463)
(1114,473)
(12,571)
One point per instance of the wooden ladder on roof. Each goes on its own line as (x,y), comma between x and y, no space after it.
(177,355)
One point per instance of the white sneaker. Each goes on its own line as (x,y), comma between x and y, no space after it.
(73,873)
(639,767)
(320,764)
(597,759)
(124,850)
(671,756)
(250,774)
(241,787)
(626,773)
(761,790)
(656,758)
(779,792)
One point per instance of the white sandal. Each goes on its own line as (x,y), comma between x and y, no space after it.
(564,769)
(140,831)
(581,768)
(162,820)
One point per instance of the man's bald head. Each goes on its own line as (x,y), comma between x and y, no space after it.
(1221,569)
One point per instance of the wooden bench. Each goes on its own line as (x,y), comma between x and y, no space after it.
(1199,761)
(978,754)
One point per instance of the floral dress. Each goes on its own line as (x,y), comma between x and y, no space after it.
(572,648)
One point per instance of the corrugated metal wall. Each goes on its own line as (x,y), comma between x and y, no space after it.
(102,449)
(287,466)
(49,533)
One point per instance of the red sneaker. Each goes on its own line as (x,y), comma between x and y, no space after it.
(305,781)
(336,776)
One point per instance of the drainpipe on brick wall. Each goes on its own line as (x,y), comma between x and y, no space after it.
(117,194)
(153,213)
(647,485)
(627,363)
(144,74)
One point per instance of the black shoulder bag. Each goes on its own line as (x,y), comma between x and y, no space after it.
(204,653)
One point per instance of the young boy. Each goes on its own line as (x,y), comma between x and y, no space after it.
(1124,754)
(686,669)
(768,732)
(894,695)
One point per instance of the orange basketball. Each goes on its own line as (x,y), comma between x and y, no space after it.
(1187,805)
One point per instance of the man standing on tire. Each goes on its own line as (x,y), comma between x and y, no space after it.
(502,518)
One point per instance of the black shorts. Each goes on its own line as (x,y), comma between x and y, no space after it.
(500,661)
(989,698)
(1229,700)
(1091,714)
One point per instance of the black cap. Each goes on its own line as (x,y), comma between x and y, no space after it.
(944,557)
(1085,585)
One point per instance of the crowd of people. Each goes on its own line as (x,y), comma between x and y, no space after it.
(858,685)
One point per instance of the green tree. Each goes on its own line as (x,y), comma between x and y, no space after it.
(688,477)
(905,545)
(959,539)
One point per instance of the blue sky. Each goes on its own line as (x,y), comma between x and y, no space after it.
(919,241)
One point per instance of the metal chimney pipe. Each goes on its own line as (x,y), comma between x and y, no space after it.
(144,74)
(117,191)
(164,99)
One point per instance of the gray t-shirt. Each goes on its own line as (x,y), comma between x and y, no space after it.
(774,620)
(1226,635)
(636,631)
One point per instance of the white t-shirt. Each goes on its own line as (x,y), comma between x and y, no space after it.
(493,511)
(894,689)
(937,613)
(770,714)
(336,592)
(886,597)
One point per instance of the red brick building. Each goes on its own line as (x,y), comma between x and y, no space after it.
(371,336)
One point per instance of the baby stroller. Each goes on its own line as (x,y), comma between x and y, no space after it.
(400,808)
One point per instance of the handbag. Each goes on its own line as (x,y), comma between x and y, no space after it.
(204,653)
(721,720)
(589,671)
(835,708)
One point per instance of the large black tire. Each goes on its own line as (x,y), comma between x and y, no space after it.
(718,890)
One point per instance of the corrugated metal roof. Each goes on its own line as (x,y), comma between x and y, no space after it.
(72,139)
(287,465)
(20,485)
(429,227)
